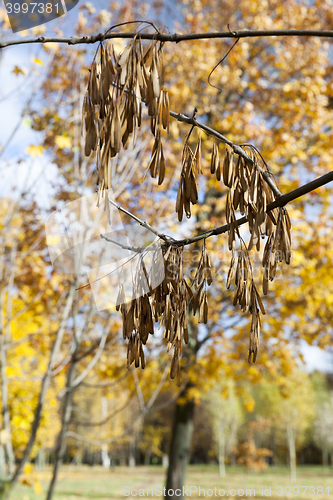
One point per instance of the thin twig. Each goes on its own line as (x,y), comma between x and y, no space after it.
(109,417)
(124,247)
(142,223)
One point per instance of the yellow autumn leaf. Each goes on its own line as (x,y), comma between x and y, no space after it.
(63,142)
(18,71)
(248,403)
(28,468)
(34,151)
(38,61)
(37,487)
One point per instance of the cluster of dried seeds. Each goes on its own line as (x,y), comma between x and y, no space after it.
(250,194)
(188,189)
(167,303)
(202,279)
(112,112)
(277,248)
(112,107)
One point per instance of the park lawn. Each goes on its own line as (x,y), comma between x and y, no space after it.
(83,483)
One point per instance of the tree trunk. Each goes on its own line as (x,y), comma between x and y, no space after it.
(104,446)
(182,431)
(67,410)
(2,462)
(292,454)
(325,457)
(222,449)
(165,460)
(45,384)
(4,403)
(131,459)
(147,458)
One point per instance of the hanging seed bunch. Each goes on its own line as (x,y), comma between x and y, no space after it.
(277,248)
(202,279)
(215,164)
(247,296)
(250,194)
(188,189)
(112,109)
(137,317)
(170,301)
(166,303)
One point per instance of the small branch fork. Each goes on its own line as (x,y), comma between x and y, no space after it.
(236,149)
(281,201)
(175,38)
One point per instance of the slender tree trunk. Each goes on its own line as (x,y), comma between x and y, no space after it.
(4,341)
(147,458)
(104,446)
(222,449)
(292,454)
(2,462)
(45,384)
(4,402)
(67,410)
(182,431)
(131,458)
(325,457)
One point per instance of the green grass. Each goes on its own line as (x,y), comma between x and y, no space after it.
(83,483)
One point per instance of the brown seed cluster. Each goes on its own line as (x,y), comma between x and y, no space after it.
(277,248)
(167,304)
(202,279)
(188,189)
(112,113)
(250,194)
(112,107)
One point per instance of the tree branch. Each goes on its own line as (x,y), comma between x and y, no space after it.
(175,38)
(109,417)
(280,202)
(236,149)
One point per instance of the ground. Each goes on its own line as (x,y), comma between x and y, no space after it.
(83,483)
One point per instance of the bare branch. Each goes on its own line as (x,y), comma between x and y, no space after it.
(175,38)
(169,401)
(95,442)
(108,384)
(92,363)
(236,149)
(109,417)
(279,202)
(139,391)
(158,388)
